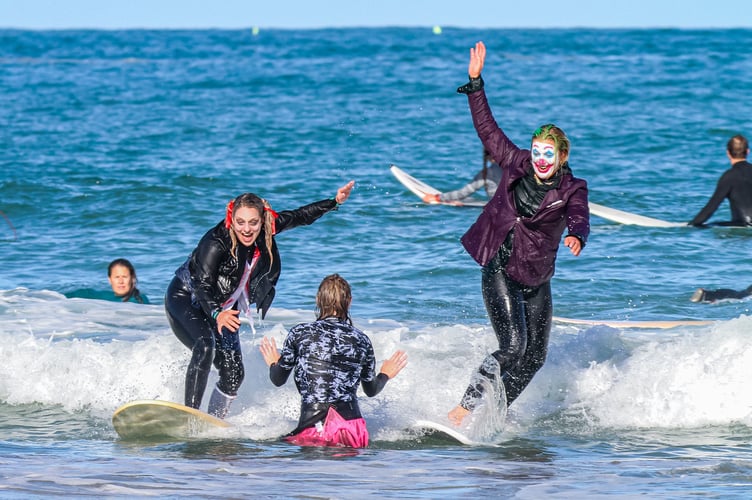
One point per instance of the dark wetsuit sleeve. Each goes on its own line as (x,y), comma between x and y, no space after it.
(278,375)
(208,258)
(375,386)
(503,151)
(280,371)
(303,216)
(578,215)
(371,385)
(721,192)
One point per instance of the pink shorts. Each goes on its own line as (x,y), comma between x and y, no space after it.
(336,431)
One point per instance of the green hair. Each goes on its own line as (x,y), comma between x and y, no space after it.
(551,132)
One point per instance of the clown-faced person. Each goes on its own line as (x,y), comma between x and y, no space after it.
(515,241)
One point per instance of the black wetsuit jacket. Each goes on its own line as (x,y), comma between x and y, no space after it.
(212,273)
(736,185)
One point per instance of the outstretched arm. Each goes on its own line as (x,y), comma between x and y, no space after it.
(308,214)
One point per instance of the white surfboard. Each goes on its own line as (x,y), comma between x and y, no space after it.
(441,432)
(420,189)
(632,324)
(153,418)
(623,217)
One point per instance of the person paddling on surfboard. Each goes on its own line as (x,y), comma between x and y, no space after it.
(487,178)
(236,264)
(515,240)
(330,358)
(735,184)
(703,295)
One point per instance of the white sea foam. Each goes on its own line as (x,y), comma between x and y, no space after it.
(94,356)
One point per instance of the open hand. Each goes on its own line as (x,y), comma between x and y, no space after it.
(477,59)
(343,193)
(269,351)
(392,366)
(228,319)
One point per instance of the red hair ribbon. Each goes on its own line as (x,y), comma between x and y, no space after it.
(274,220)
(228,214)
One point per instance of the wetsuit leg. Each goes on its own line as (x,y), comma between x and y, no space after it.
(195,331)
(229,361)
(505,304)
(538,315)
(725,293)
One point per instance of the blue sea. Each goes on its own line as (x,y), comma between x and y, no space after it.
(130,143)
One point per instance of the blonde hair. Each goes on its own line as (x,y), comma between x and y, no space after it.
(251,200)
(333,298)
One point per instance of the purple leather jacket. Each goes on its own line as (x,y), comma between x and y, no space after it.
(536,239)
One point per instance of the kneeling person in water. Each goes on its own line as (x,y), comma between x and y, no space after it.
(330,358)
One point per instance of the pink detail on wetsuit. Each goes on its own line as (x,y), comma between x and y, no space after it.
(336,431)
(240,295)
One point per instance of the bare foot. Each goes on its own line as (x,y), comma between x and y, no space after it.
(457,415)
(431,198)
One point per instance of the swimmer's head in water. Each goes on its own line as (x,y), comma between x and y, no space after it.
(122,276)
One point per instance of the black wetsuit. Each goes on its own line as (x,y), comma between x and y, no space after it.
(520,314)
(725,294)
(736,185)
(206,280)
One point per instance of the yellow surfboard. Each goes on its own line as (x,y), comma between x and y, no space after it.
(153,419)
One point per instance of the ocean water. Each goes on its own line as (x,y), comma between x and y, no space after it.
(130,143)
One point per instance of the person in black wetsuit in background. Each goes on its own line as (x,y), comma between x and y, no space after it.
(487,178)
(702,295)
(735,184)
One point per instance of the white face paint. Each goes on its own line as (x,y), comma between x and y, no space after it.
(545,160)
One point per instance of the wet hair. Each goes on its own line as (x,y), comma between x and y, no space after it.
(133,292)
(551,132)
(738,147)
(251,200)
(333,298)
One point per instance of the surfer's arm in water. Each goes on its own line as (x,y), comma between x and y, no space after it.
(721,192)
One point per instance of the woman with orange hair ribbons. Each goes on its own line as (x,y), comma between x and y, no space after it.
(236,264)
(515,240)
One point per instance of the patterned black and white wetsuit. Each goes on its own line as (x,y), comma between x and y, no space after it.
(330,358)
